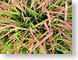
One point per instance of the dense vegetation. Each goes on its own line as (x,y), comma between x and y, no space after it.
(35,27)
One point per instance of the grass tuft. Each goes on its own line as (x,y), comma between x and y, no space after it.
(35,27)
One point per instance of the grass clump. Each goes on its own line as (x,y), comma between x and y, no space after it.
(35,27)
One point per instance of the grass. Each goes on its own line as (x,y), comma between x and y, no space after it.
(35,27)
